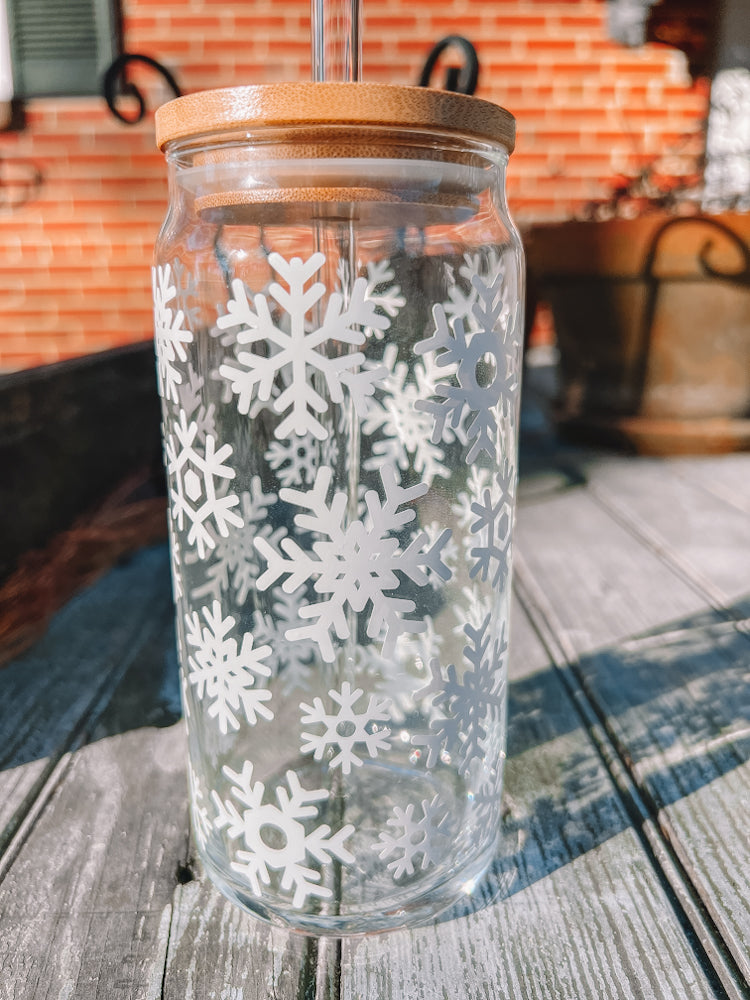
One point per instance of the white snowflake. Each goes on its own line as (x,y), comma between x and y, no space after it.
(234,561)
(297,352)
(286,844)
(470,703)
(485,370)
(484,510)
(199,811)
(191,400)
(291,661)
(492,556)
(193,489)
(354,564)
(406,430)
(221,674)
(345,727)
(170,335)
(462,293)
(389,299)
(296,461)
(426,837)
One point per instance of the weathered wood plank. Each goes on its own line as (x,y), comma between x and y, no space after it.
(572,908)
(85,905)
(47,696)
(676,704)
(706,536)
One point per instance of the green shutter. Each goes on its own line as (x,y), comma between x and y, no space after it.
(60,47)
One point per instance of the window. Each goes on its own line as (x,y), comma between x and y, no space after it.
(61,47)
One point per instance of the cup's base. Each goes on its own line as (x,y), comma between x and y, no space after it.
(420,910)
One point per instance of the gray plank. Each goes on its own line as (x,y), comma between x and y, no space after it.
(677,703)
(572,907)
(87,884)
(48,695)
(675,509)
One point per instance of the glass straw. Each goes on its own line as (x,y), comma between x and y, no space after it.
(336,40)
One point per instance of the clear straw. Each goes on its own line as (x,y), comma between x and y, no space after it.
(336,40)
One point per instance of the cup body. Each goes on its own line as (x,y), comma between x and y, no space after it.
(338,334)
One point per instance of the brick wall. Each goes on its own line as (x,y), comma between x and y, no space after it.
(74,260)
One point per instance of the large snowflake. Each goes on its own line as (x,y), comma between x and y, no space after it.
(234,560)
(170,335)
(223,675)
(406,430)
(422,839)
(275,836)
(345,728)
(198,475)
(291,661)
(470,703)
(484,370)
(355,564)
(297,353)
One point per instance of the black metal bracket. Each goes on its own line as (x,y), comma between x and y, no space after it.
(115,85)
(459,80)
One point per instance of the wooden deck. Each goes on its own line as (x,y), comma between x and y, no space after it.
(624,867)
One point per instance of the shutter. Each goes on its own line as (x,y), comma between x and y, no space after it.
(60,47)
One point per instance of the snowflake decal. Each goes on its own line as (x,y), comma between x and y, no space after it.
(386,296)
(234,562)
(296,354)
(492,526)
(470,703)
(484,370)
(190,398)
(296,461)
(414,838)
(291,661)
(354,565)
(170,335)
(193,491)
(223,675)
(462,292)
(275,836)
(407,430)
(345,727)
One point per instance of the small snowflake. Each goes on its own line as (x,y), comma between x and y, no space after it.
(345,727)
(275,835)
(406,430)
(234,561)
(297,353)
(354,565)
(426,837)
(193,489)
(469,703)
(199,811)
(222,675)
(291,661)
(296,461)
(170,336)
(388,298)
(190,398)
(485,370)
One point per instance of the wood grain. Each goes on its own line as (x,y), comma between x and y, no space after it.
(655,551)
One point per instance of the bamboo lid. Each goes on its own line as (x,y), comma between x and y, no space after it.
(320,104)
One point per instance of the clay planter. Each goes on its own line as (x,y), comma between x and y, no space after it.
(653,325)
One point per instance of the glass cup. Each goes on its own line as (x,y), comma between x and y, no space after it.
(338,296)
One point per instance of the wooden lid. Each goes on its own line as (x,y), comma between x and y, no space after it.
(362,104)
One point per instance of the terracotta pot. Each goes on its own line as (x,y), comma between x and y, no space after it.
(653,324)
